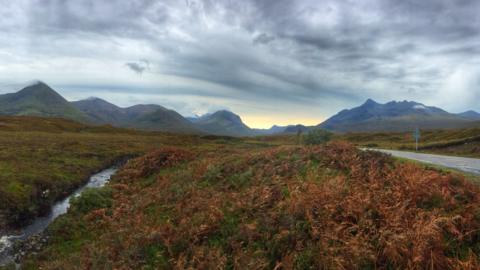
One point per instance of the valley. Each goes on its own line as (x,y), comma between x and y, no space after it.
(239,135)
(196,201)
(210,191)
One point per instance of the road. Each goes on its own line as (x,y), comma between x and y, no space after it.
(470,165)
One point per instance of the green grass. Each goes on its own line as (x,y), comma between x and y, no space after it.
(216,202)
(42,159)
(455,142)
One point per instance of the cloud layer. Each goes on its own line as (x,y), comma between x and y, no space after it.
(272,61)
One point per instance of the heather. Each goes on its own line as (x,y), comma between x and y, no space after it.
(231,206)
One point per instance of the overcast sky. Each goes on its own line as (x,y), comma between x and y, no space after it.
(270,61)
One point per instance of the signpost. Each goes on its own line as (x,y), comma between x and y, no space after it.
(416,135)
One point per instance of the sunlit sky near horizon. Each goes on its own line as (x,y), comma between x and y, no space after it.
(270,61)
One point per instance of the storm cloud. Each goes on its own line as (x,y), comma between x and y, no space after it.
(138,67)
(271,61)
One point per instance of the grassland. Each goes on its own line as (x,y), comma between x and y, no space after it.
(189,202)
(241,206)
(42,159)
(460,142)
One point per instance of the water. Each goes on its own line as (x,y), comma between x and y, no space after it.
(41,223)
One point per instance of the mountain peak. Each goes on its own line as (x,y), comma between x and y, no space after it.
(223,122)
(37,84)
(224,112)
(227,115)
(33,83)
(370,102)
(93,102)
(40,100)
(40,91)
(470,114)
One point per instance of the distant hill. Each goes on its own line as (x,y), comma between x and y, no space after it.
(392,116)
(294,129)
(39,99)
(269,131)
(143,116)
(162,119)
(140,110)
(223,123)
(196,118)
(100,111)
(473,115)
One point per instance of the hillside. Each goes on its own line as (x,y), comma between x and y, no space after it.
(393,116)
(139,110)
(163,120)
(473,115)
(241,207)
(55,156)
(458,142)
(142,116)
(223,123)
(100,111)
(295,129)
(39,100)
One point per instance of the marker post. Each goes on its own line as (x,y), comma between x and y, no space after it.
(416,135)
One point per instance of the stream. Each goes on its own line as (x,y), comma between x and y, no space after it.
(7,242)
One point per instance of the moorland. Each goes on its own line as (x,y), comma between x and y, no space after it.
(202,202)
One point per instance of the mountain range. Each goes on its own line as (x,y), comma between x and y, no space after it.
(144,116)
(39,99)
(396,116)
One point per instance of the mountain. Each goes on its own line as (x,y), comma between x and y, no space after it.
(143,116)
(392,116)
(223,123)
(473,115)
(270,131)
(277,129)
(100,111)
(294,129)
(195,118)
(140,110)
(161,119)
(39,99)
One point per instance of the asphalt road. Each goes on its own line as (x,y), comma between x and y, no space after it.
(470,165)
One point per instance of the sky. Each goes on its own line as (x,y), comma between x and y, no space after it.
(270,61)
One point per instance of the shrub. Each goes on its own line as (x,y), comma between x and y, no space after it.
(152,163)
(91,199)
(318,136)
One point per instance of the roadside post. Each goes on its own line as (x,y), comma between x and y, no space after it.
(416,135)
